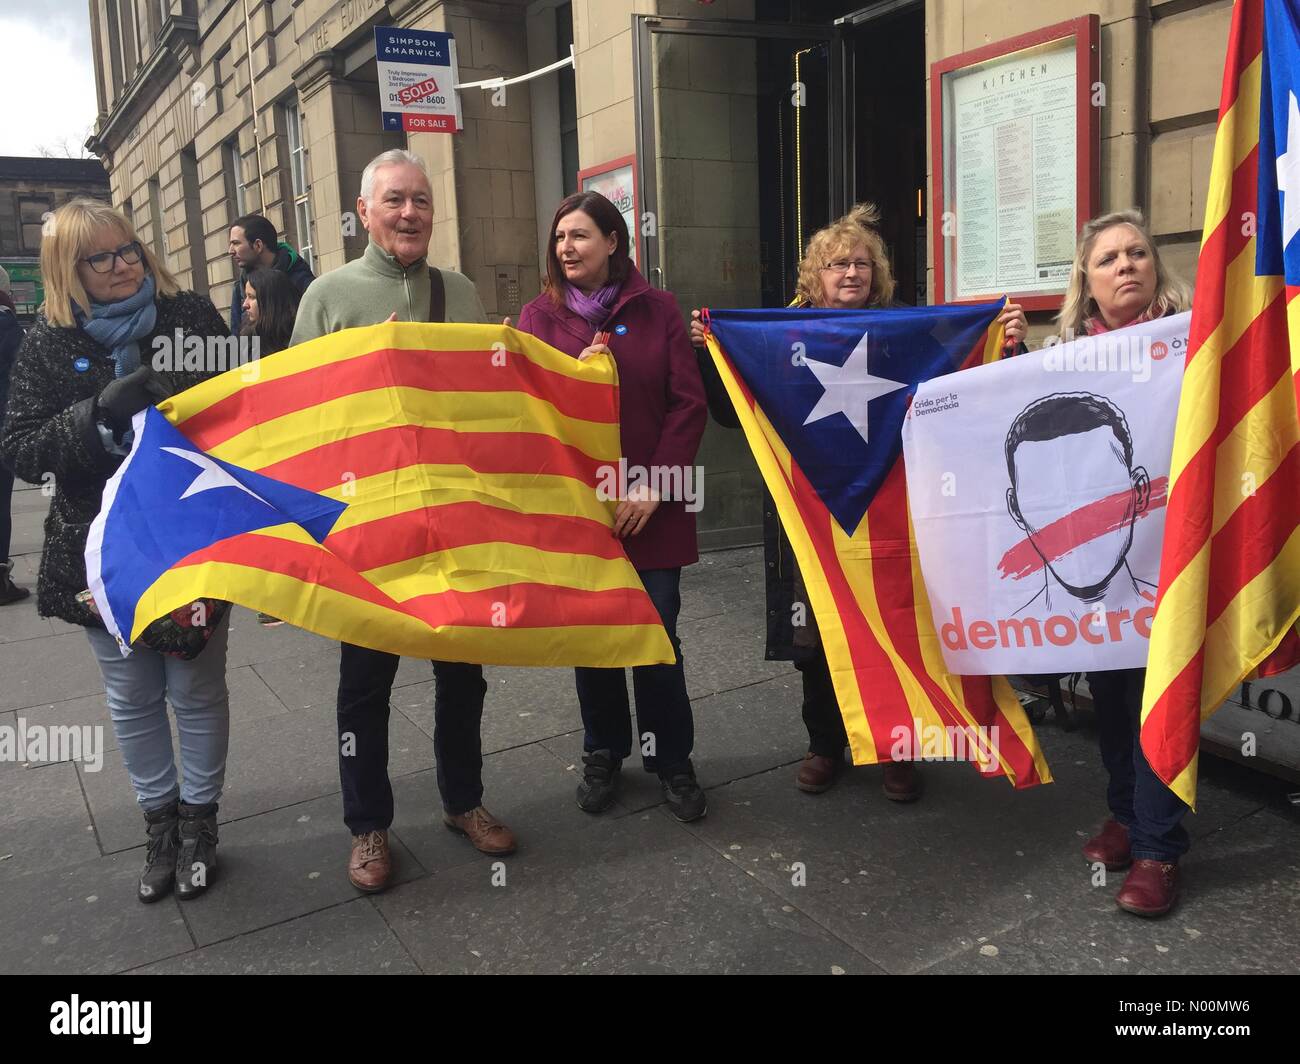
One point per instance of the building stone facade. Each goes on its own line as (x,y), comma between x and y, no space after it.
(30,188)
(209,108)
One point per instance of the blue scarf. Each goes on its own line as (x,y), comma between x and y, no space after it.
(118,326)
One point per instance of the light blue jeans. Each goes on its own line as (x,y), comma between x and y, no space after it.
(138,689)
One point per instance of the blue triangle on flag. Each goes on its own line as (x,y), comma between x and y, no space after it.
(846,434)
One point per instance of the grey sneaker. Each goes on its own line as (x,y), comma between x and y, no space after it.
(599,781)
(685,797)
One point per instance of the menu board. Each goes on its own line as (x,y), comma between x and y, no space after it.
(616,181)
(1010,172)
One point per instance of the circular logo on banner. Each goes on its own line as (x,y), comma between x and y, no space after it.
(82,364)
(621,330)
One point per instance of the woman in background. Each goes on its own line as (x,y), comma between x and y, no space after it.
(845,267)
(269,309)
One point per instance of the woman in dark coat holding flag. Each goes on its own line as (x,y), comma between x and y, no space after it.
(112,312)
(597,302)
(1118,279)
(845,267)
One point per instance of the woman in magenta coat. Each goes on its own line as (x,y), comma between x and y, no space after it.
(594,301)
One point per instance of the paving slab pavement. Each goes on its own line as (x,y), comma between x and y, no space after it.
(974,878)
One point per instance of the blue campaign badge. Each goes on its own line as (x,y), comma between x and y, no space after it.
(82,364)
(621,330)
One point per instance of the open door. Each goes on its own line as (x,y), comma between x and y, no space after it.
(739,146)
(882,83)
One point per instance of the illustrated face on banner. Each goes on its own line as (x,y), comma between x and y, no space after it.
(1082,547)
(1037,487)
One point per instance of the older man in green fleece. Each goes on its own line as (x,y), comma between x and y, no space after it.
(392,281)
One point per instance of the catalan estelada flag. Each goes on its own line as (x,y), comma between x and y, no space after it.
(821,396)
(426,490)
(1230,567)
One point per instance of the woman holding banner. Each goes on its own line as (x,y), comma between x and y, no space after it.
(113,313)
(845,267)
(1118,280)
(596,302)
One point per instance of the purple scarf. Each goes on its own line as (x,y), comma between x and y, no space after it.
(594,308)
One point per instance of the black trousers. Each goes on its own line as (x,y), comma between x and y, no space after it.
(663,708)
(6,523)
(365,684)
(821,710)
(1152,812)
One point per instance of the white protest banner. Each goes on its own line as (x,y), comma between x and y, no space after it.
(1037,487)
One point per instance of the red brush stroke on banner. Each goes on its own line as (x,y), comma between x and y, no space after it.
(1077,528)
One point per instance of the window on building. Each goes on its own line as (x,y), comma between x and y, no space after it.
(298,178)
(128,38)
(236,190)
(155,219)
(148,26)
(31,216)
(220,71)
(198,254)
(114,51)
(568,100)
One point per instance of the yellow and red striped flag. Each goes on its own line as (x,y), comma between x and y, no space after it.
(821,396)
(468,459)
(1230,569)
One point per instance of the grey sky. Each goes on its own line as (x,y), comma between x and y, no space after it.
(47,78)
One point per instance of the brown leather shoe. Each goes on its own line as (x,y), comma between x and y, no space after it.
(370,866)
(485,831)
(1110,846)
(901,783)
(1150,888)
(817,773)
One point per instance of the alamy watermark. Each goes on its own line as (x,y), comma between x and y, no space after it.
(665,483)
(1109,353)
(130,1018)
(26,743)
(945,742)
(207,354)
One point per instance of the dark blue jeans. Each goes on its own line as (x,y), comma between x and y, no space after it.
(663,708)
(1152,812)
(365,684)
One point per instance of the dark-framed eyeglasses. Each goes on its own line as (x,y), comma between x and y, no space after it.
(104,262)
(841,266)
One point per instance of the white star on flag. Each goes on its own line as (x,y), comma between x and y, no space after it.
(849,388)
(211,475)
(1288,173)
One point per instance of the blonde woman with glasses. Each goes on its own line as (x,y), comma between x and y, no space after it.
(845,267)
(1118,280)
(82,373)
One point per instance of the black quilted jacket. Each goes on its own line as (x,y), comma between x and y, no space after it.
(49,432)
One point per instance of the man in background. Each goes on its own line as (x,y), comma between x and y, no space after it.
(253,245)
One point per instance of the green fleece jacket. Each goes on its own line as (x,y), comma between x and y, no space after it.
(368,289)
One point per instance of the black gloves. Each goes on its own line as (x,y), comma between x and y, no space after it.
(127,396)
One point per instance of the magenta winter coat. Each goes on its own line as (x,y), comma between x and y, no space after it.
(661,400)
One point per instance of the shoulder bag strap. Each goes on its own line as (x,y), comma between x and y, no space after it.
(437,296)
